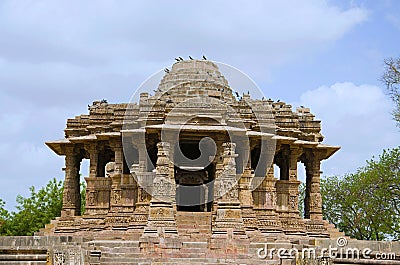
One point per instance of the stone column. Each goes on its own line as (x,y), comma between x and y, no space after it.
(265,205)
(71,194)
(228,221)
(161,222)
(94,159)
(294,156)
(313,200)
(218,160)
(246,198)
(288,191)
(117,148)
(116,191)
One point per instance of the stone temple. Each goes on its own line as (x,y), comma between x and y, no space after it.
(193,152)
(186,176)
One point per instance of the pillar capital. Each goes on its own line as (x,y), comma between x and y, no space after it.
(116,144)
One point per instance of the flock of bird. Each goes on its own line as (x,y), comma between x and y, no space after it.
(178,59)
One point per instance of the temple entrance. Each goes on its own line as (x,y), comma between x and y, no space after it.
(193,177)
(194,190)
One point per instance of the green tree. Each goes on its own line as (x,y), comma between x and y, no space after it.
(365,204)
(302,195)
(391,78)
(4,214)
(83,197)
(35,211)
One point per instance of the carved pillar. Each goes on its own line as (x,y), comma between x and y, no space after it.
(116,191)
(94,159)
(71,194)
(294,156)
(265,204)
(246,198)
(218,160)
(288,191)
(313,200)
(144,181)
(162,212)
(138,140)
(315,225)
(228,221)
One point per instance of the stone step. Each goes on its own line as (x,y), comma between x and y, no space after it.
(23,257)
(23,262)
(191,261)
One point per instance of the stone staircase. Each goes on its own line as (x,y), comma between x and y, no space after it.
(194,226)
(333,231)
(193,253)
(63,250)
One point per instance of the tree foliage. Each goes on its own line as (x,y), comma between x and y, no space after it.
(302,196)
(391,78)
(4,215)
(366,204)
(33,212)
(83,197)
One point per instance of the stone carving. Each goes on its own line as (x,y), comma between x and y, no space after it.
(92,198)
(293,202)
(67,255)
(110,168)
(59,258)
(116,196)
(162,187)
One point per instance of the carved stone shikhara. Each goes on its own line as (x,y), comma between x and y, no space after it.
(138,183)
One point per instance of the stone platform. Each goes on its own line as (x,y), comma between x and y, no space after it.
(59,250)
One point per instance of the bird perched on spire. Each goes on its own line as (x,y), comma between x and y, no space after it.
(190,57)
(177,59)
(180,58)
(166,70)
(237,94)
(204,58)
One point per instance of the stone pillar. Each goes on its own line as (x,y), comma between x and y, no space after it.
(315,225)
(228,221)
(144,181)
(116,191)
(265,205)
(117,148)
(246,198)
(162,222)
(94,159)
(313,200)
(288,191)
(294,156)
(71,194)
(218,173)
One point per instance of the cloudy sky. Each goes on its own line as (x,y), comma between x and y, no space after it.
(56,57)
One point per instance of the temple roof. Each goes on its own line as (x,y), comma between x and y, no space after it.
(194,96)
(200,77)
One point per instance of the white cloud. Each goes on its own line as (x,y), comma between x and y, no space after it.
(58,56)
(355,117)
(394,20)
(101,33)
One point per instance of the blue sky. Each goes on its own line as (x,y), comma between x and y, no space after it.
(56,57)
